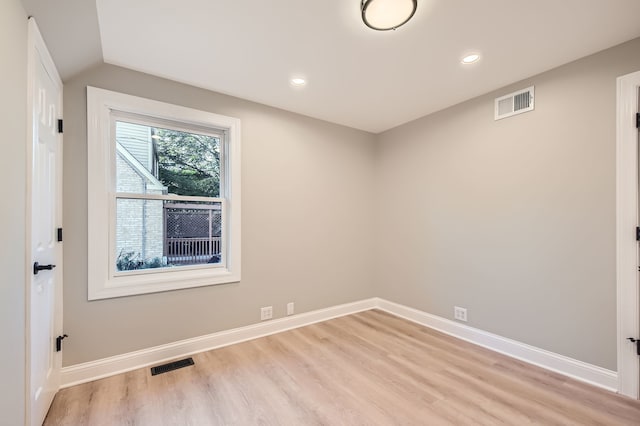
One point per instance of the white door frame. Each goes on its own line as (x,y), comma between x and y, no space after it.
(37,52)
(627,256)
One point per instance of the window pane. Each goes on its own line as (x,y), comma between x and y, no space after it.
(155,160)
(164,234)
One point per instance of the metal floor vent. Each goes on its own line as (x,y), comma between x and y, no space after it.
(171,366)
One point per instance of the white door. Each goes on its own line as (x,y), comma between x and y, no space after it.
(627,221)
(44,318)
(636,339)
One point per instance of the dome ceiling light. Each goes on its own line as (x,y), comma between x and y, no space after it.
(383,15)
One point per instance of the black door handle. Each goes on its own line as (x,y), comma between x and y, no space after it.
(38,267)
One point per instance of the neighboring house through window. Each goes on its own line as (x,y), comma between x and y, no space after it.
(164,196)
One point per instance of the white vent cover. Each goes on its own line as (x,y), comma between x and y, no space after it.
(514,103)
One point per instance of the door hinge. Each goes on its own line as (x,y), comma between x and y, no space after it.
(60,126)
(637,233)
(638,120)
(59,340)
(59,235)
(636,341)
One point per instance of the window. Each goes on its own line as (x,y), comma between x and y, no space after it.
(164,196)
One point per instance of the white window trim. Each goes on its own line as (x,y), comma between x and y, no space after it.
(102,282)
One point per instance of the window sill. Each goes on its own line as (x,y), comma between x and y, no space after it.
(130,285)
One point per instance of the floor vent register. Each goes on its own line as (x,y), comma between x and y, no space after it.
(174,365)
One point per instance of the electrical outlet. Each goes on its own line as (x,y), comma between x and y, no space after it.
(460,313)
(266,313)
(290,308)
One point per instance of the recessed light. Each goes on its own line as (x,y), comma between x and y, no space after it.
(298,81)
(470,59)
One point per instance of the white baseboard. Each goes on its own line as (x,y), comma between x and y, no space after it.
(573,368)
(94,370)
(89,371)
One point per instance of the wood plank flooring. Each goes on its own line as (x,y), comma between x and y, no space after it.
(369,368)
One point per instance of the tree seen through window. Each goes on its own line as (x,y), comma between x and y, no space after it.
(188,163)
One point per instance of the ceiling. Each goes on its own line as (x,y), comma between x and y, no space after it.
(357,77)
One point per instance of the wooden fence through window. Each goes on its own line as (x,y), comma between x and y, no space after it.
(192,233)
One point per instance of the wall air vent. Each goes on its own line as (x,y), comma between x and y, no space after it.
(514,103)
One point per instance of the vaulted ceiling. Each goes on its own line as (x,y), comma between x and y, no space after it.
(355,76)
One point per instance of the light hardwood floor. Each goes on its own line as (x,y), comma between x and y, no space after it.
(369,368)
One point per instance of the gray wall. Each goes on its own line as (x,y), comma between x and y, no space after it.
(307,199)
(512,219)
(13,161)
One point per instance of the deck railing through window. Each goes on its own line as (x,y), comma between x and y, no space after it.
(192,233)
(189,251)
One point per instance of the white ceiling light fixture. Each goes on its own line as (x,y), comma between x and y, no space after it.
(383,15)
(471,58)
(298,81)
